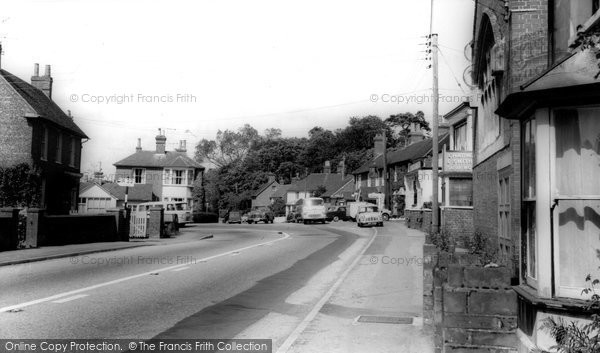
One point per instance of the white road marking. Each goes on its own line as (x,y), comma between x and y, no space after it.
(181,269)
(104,284)
(75,297)
(287,344)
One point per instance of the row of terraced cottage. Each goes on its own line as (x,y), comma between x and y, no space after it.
(519,183)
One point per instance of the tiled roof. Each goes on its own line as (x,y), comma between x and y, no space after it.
(411,152)
(347,187)
(331,181)
(262,188)
(151,159)
(139,192)
(281,191)
(43,106)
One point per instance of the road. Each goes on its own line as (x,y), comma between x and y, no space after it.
(256,281)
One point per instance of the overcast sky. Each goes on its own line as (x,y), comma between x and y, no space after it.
(291,65)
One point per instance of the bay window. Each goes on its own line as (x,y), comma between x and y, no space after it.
(576,197)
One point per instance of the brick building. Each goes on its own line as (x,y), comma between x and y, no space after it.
(34,130)
(171,173)
(263,195)
(537,153)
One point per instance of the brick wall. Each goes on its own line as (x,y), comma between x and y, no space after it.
(458,222)
(485,197)
(418,219)
(15,130)
(467,307)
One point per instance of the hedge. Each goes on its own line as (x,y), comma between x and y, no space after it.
(205,217)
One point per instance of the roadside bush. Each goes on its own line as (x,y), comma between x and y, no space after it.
(205,217)
(427,205)
(278,207)
(480,245)
(443,241)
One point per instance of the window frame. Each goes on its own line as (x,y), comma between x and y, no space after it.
(529,202)
(58,149)
(44,144)
(142,176)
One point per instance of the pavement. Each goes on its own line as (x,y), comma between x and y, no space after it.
(384,285)
(21,256)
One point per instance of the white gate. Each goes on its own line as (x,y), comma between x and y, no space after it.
(138,225)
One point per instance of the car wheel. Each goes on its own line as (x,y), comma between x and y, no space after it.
(336,218)
(380,224)
(305,222)
(386,217)
(359,225)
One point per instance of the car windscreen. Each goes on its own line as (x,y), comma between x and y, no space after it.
(181,206)
(314,202)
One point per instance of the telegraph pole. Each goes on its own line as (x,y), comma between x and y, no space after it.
(435,216)
(386,187)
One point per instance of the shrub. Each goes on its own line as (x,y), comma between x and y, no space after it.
(480,245)
(574,337)
(443,241)
(427,205)
(205,217)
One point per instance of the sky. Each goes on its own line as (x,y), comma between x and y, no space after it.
(127,68)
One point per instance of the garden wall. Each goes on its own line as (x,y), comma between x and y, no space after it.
(468,307)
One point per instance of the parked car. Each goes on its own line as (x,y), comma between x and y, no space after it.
(233,217)
(262,214)
(308,210)
(336,213)
(177,211)
(369,215)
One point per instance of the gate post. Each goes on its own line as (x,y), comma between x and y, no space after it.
(33,235)
(156,222)
(122,223)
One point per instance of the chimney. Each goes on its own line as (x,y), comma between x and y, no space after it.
(379,144)
(138,148)
(182,146)
(342,168)
(43,83)
(416,134)
(161,141)
(327,167)
(271,177)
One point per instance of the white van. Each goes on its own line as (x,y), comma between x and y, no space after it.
(311,209)
(184,214)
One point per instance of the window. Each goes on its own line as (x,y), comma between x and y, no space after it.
(568,15)
(488,125)
(504,241)
(190,177)
(72,152)
(577,198)
(178,177)
(461,192)
(460,137)
(528,196)
(58,150)
(139,176)
(44,144)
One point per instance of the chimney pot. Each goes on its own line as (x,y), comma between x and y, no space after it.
(161,141)
(139,145)
(43,83)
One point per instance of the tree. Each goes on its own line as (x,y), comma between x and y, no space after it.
(228,147)
(360,133)
(402,124)
(272,133)
(320,147)
(321,189)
